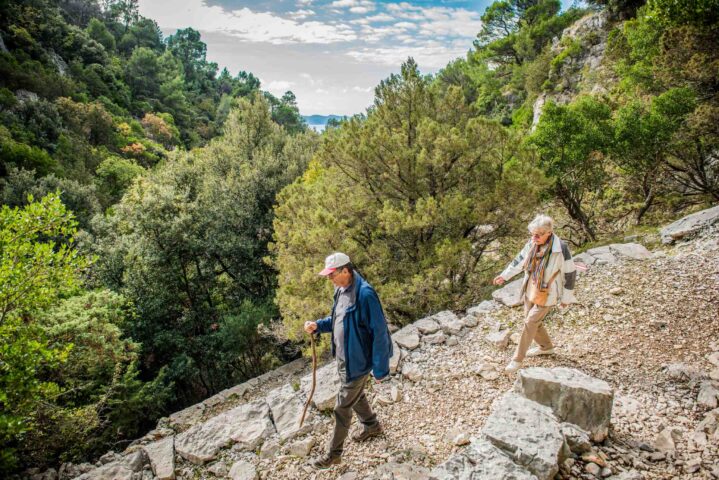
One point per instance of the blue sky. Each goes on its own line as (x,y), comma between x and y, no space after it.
(330,53)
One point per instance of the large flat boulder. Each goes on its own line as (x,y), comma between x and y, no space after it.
(689,225)
(328,384)
(528,432)
(633,251)
(510,294)
(286,406)
(162,457)
(249,425)
(602,255)
(481,460)
(573,396)
(407,337)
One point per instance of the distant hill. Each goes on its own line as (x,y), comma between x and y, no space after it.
(314,120)
(318,123)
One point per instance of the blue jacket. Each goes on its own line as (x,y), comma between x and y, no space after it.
(368,345)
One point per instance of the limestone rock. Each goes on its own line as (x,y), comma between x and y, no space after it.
(689,225)
(426,326)
(585,258)
(707,395)
(302,448)
(510,294)
(218,469)
(470,321)
(402,471)
(286,407)
(576,438)
(573,396)
(665,440)
(188,416)
(449,322)
(248,425)
(162,457)
(435,338)
(680,372)
(481,460)
(270,448)
(499,339)
(412,372)
(243,470)
(328,384)
(633,251)
(487,306)
(395,358)
(407,337)
(539,447)
(602,255)
(112,471)
(710,422)
(457,437)
(713,358)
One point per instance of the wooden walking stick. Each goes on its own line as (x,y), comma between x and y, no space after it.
(314,378)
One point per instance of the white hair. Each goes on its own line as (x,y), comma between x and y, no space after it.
(541,222)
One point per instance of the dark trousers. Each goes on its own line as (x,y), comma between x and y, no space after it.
(351,397)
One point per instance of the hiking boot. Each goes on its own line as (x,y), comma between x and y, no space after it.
(367,433)
(326,461)
(537,351)
(513,366)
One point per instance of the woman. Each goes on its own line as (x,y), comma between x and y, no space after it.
(549,278)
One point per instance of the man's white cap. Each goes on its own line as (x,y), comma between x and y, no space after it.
(334,261)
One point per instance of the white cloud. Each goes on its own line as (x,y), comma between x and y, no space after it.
(301,14)
(380,17)
(277,87)
(428,54)
(244,23)
(355,6)
(361,9)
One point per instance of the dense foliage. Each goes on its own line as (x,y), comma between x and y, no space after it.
(159,218)
(187,244)
(137,284)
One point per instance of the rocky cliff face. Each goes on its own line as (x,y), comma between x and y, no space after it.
(577,65)
(631,393)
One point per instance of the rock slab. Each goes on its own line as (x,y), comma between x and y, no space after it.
(528,432)
(510,294)
(689,225)
(286,407)
(407,337)
(162,457)
(573,396)
(248,425)
(328,384)
(481,461)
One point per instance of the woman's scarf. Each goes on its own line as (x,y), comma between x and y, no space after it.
(535,264)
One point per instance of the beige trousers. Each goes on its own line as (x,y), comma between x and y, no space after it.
(533,329)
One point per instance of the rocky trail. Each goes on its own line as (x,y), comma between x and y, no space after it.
(646,327)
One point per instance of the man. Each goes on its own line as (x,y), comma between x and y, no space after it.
(360,343)
(549,277)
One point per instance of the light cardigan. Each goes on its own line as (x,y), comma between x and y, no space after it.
(562,288)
